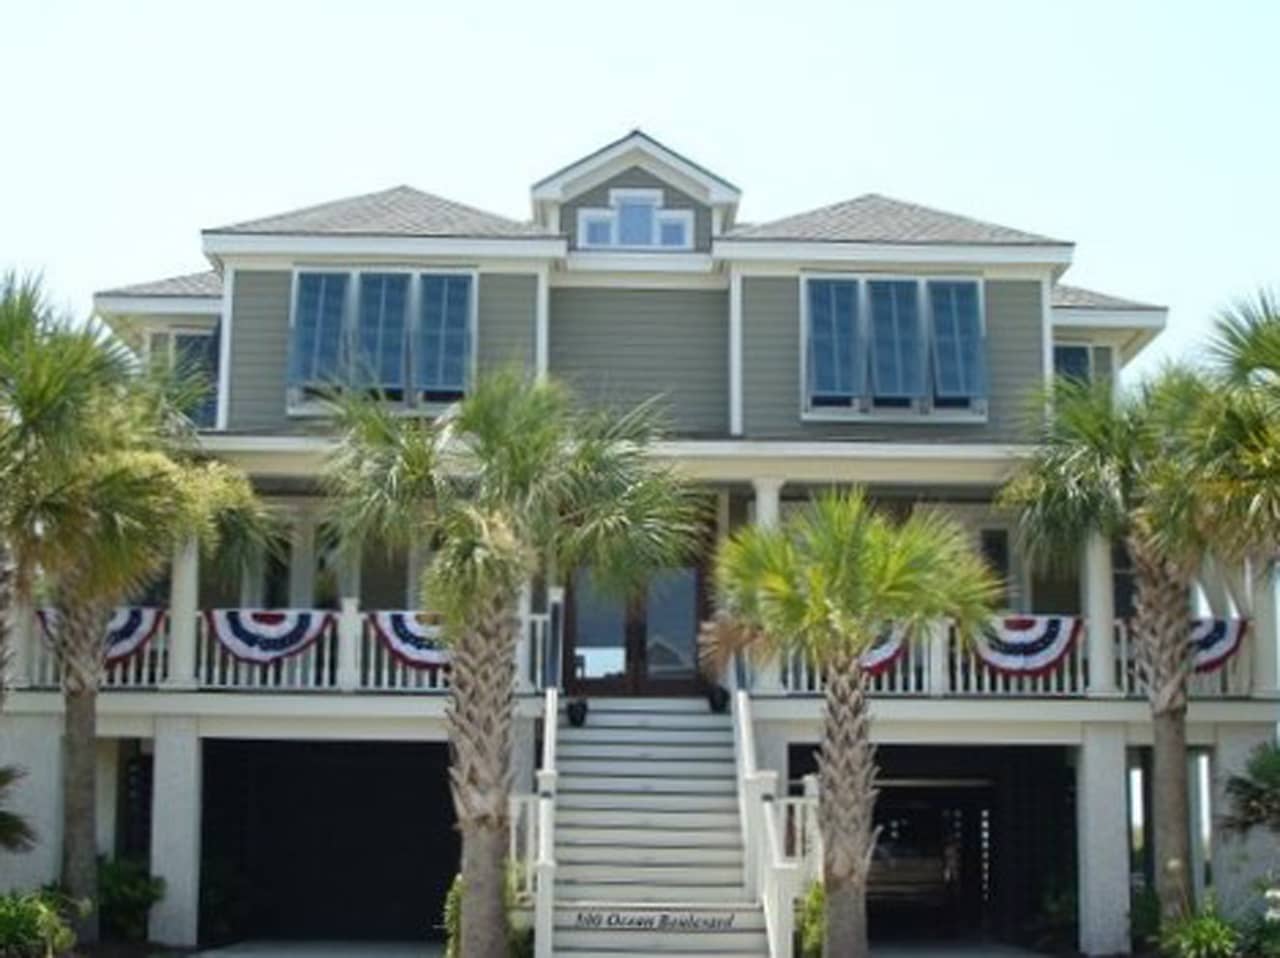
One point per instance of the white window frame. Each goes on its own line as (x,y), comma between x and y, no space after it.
(661,216)
(864,409)
(300,406)
(173,332)
(1088,346)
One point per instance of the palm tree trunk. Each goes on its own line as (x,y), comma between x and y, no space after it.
(1161,620)
(78,642)
(846,808)
(481,704)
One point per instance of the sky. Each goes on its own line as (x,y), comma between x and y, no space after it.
(1147,133)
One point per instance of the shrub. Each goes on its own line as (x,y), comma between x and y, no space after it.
(127,890)
(32,926)
(519,940)
(1205,934)
(1144,918)
(812,925)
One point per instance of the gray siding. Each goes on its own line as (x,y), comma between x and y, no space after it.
(259,351)
(260,342)
(506,319)
(623,346)
(637,178)
(771,368)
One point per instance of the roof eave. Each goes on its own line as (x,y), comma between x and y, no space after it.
(110,304)
(218,244)
(1056,255)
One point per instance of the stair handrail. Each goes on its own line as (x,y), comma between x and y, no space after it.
(545,868)
(768,875)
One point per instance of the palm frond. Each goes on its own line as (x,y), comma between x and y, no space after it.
(16,834)
(1246,341)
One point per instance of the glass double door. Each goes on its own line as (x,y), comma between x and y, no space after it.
(647,645)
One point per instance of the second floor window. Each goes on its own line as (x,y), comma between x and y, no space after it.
(406,335)
(193,353)
(1082,362)
(636,220)
(886,344)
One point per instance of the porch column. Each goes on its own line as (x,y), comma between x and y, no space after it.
(175,830)
(251,580)
(524,650)
(1097,584)
(184,607)
(1214,586)
(1266,634)
(107,785)
(302,560)
(768,677)
(418,559)
(350,621)
(22,639)
(1239,861)
(1102,838)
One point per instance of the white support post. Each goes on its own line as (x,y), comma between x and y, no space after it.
(524,652)
(736,417)
(1266,634)
(175,830)
(252,584)
(1195,814)
(542,326)
(184,607)
(768,678)
(1102,836)
(302,561)
(107,785)
(939,661)
(22,644)
(350,635)
(1098,584)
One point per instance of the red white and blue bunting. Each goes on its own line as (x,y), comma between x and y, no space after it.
(412,638)
(1214,641)
(888,647)
(1027,644)
(257,635)
(129,629)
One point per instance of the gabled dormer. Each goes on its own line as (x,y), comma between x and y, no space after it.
(636,195)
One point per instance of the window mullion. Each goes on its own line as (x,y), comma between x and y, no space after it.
(409,339)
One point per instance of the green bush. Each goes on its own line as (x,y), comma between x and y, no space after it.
(127,890)
(1144,918)
(1205,934)
(812,923)
(519,940)
(1261,938)
(32,926)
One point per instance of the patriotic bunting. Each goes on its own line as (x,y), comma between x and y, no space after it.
(891,644)
(128,630)
(1214,641)
(1027,645)
(413,638)
(260,636)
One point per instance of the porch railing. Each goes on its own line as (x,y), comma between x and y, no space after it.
(315,668)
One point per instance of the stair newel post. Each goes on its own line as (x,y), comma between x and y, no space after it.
(545,868)
(813,852)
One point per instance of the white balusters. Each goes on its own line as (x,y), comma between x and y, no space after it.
(313,669)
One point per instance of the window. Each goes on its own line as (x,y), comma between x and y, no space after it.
(406,335)
(192,353)
(636,219)
(1082,362)
(893,346)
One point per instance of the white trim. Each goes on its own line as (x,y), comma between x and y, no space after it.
(905,253)
(975,414)
(1046,330)
(542,326)
(647,196)
(601,258)
(736,424)
(253,244)
(224,348)
(555,187)
(1071,316)
(109,305)
(596,277)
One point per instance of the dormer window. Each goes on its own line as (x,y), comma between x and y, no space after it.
(635,220)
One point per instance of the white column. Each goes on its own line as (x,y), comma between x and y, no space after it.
(302,561)
(252,584)
(1266,634)
(1214,586)
(350,619)
(1238,861)
(22,639)
(1097,584)
(175,830)
(542,326)
(184,607)
(524,652)
(768,677)
(1102,836)
(939,659)
(108,786)
(1195,814)
(419,558)
(34,743)
(736,417)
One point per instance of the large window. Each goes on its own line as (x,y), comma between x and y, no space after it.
(893,346)
(635,219)
(193,353)
(1082,362)
(406,335)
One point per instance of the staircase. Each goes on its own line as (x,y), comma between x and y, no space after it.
(648,842)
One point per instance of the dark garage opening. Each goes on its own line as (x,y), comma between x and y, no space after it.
(325,840)
(975,843)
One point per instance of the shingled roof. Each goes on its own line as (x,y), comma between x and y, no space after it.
(1076,297)
(206,284)
(399,211)
(872,218)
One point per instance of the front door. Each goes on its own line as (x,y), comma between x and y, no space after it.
(645,646)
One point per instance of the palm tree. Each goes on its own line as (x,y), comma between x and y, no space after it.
(96,490)
(512,484)
(825,585)
(1254,794)
(1131,469)
(15,834)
